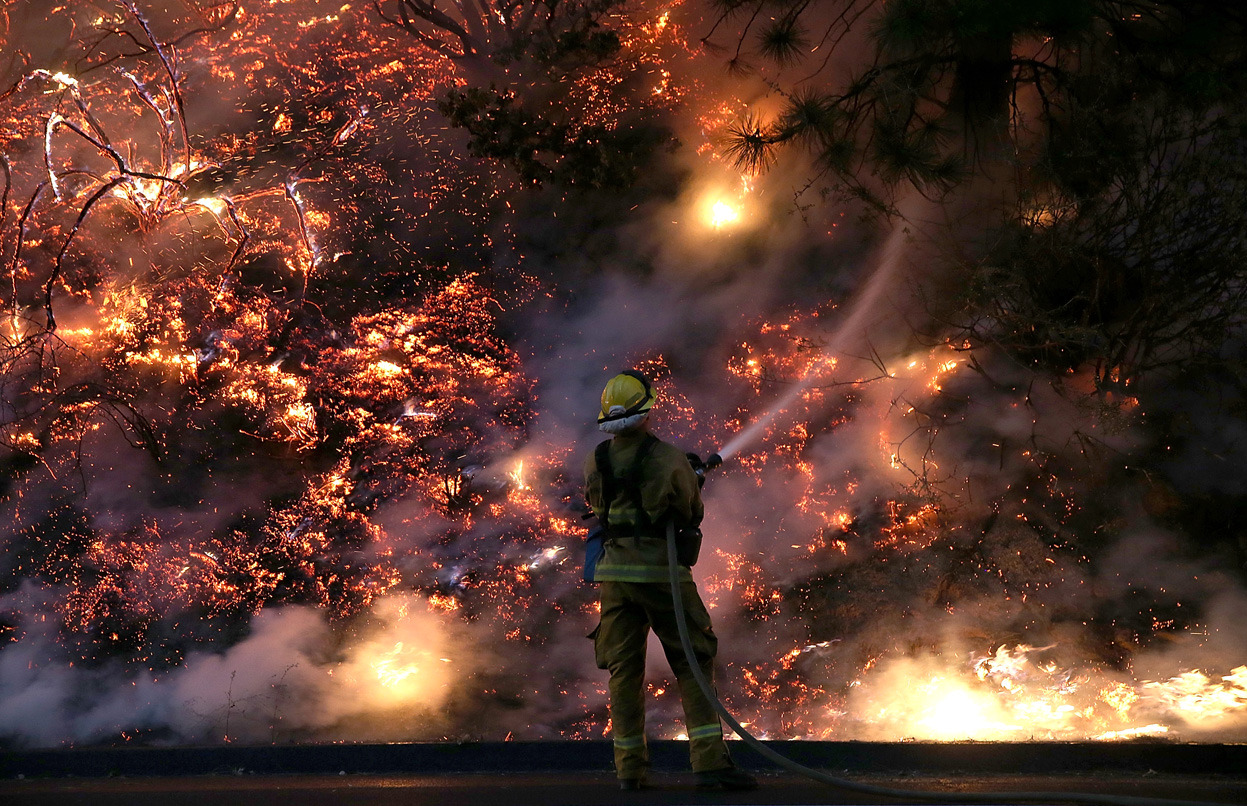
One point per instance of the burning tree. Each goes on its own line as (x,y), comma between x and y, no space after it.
(551,89)
(1109,130)
(1099,144)
(189,285)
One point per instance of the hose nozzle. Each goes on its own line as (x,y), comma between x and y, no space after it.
(699,467)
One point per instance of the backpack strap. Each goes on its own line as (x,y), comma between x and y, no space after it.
(602,455)
(633,482)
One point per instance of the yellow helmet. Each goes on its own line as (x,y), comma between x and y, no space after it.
(626,396)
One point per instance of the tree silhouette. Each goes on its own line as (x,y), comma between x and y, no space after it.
(484,37)
(520,62)
(1108,133)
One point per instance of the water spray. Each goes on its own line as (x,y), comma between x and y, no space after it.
(865,302)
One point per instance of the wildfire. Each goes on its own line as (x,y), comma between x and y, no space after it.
(1197,697)
(723,209)
(260,360)
(517,476)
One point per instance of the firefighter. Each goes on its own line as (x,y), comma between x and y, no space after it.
(636,484)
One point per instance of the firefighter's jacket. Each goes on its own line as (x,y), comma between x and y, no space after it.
(669,491)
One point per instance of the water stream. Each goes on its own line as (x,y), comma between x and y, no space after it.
(865,304)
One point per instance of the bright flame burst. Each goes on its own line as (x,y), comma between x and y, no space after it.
(720,208)
(395,666)
(405,659)
(723,214)
(407,673)
(1009,696)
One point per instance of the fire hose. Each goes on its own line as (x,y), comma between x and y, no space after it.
(673,569)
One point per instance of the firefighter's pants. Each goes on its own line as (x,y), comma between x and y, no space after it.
(629,611)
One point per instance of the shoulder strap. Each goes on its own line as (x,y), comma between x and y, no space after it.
(602,455)
(633,482)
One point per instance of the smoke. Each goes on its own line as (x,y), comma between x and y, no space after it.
(292,678)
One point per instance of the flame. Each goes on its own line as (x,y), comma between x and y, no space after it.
(403,662)
(723,214)
(396,666)
(1196,697)
(1010,696)
(516,474)
(956,712)
(721,208)
(64,79)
